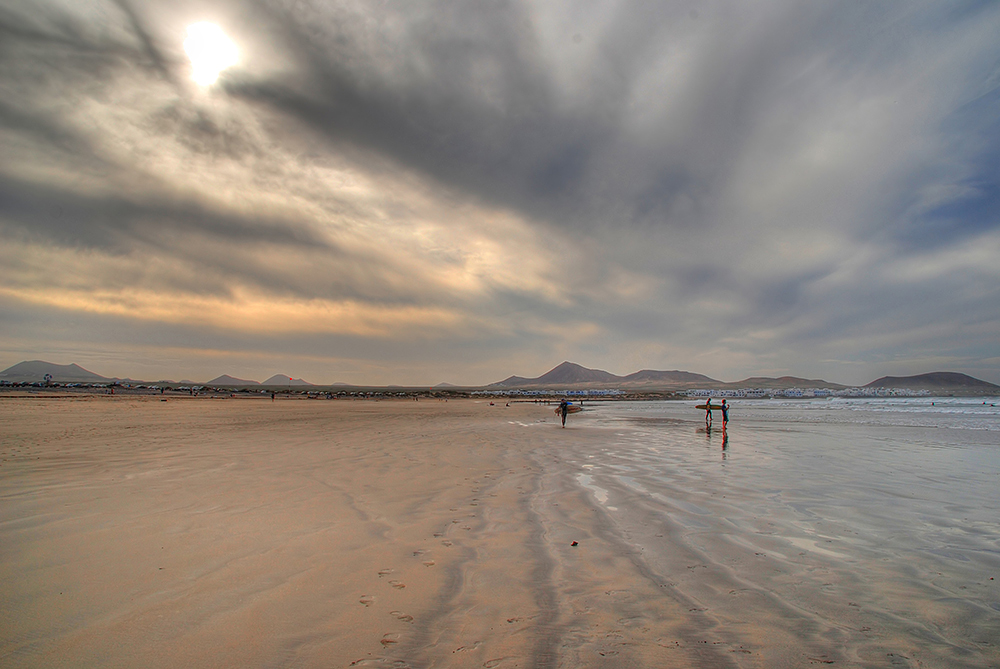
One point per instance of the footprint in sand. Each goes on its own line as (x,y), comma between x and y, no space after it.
(489,664)
(384,572)
(403,617)
(388,639)
(472,647)
(397,584)
(439,534)
(429,563)
(366,600)
(447,543)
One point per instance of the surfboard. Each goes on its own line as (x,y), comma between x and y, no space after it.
(705,406)
(572,408)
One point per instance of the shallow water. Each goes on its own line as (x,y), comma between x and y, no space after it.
(864,532)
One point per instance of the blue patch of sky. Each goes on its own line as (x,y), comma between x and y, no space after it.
(959,10)
(978,208)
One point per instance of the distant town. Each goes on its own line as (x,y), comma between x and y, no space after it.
(756,393)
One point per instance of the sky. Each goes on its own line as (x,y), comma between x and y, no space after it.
(415,193)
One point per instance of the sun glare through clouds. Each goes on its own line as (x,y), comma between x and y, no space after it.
(210,50)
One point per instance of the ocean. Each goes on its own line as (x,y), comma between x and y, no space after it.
(863,532)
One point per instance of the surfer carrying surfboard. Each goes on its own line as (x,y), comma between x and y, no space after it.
(708,412)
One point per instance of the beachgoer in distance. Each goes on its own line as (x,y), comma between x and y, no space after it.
(564,409)
(708,412)
(725,414)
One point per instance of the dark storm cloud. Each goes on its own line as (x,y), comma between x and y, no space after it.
(212,250)
(438,123)
(114,221)
(44,128)
(465,97)
(483,108)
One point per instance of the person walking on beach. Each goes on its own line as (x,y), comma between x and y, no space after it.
(563,410)
(725,415)
(708,412)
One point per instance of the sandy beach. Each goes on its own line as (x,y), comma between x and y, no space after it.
(136,532)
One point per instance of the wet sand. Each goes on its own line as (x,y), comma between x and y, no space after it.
(208,533)
(815,537)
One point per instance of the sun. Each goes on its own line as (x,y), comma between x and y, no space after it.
(210,50)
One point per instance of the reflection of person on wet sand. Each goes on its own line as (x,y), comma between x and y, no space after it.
(563,410)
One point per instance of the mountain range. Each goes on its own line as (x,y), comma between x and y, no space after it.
(571,375)
(564,376)
(35,370)
(32,371)
(276,380)
(934,381)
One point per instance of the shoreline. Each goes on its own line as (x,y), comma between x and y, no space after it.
(7,393)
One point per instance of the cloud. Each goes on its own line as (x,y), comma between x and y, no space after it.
(632,185)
